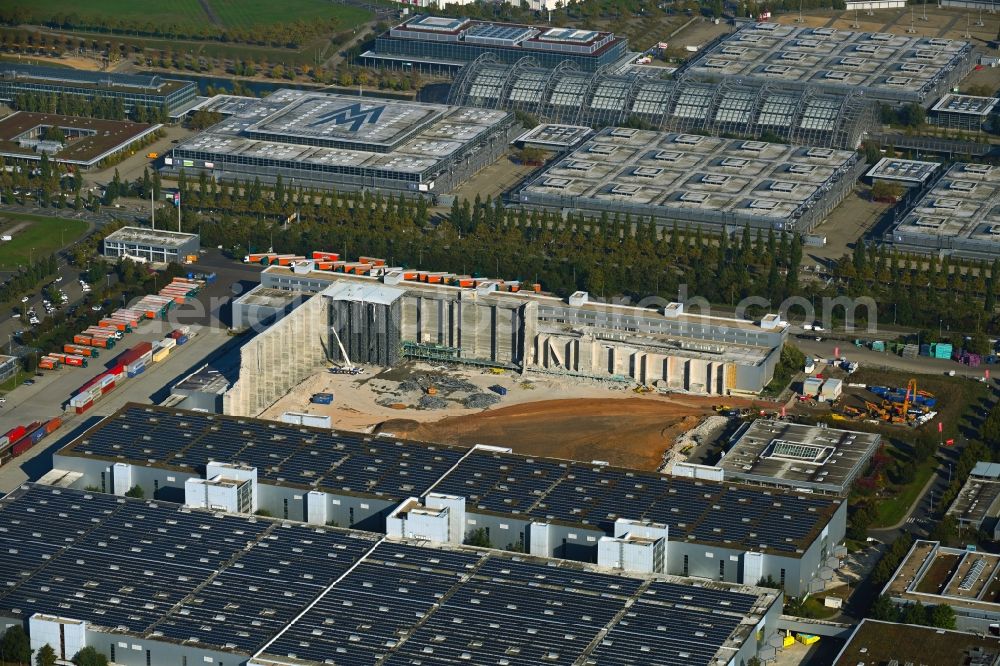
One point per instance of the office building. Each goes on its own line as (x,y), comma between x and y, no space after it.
(155,91)
(874,643)
(153,245)
(977,506)
(86,142)
(443,43)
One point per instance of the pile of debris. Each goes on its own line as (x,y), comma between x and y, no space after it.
(432,402)
(481,400)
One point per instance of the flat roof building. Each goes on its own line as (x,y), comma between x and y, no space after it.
(963,112)
(440,42)
(977,505)
(554,137)
(86,141)
(153,245)
(543,506)
(907,173)
(967,580)
(150,582)
(177,97)
(812,458)
(886,67)
(345,142)
(959,215)
(874,643)
(8,366)
(696,180)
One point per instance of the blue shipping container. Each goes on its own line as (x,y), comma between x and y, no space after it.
(499,390)
(322,398)
(182,340)
(38,435)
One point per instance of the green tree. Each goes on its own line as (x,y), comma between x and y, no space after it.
(136,492)
(478,538)
(89,656)
(884,609)
(914,614)
(46,656)
(15,648)
(942,616)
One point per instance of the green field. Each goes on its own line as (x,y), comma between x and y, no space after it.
(41,237)
(232,13)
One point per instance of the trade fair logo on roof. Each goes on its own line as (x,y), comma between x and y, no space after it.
(354,115)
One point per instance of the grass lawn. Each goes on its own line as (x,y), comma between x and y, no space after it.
(177,12)
(247,13)
(41,237)
(892,510)
(233,13)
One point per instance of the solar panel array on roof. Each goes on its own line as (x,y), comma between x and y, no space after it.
(67,75)
(595,495)
(483,608)
(161,570)
(282,453)
(321,595)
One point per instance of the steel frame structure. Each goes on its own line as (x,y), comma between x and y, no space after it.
(806,115)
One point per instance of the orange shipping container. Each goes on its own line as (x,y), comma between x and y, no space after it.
(325,256)
(371,260)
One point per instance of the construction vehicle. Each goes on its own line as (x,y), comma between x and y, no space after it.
(852,411)
(152,156)
(431,390)
(347,368)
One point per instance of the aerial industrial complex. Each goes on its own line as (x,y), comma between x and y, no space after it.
(381,318)
(546,507)
(177,97)
(791,455)
(875,642)
(895,69)
(721,184)
(337,141)
(957,215)
(444,43)
(85,143)
(149,582)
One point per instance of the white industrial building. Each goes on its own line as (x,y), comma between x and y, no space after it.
(542,506)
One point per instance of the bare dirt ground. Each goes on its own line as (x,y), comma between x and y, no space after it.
(590,420)
(493,180)
(845,225)
(630,432)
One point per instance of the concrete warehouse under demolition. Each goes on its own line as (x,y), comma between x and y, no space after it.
(958,214)
(895,69)
(153,583)
(345,142)
(380,320)
(542,506)
(695,180)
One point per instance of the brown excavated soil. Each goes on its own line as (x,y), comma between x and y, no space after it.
(629,432)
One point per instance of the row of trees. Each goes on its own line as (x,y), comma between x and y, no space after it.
(608,256)
(106,108)
(941,616)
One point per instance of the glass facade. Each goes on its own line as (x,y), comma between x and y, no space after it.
(461,52)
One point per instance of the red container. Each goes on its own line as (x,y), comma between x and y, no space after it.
(22,446)
(16,433)
(108,388)
(325,256)
(175,334)
(82,408)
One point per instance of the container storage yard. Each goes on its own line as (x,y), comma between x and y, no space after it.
(694,180)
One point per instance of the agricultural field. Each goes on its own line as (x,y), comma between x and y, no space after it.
(34,237)
(192,13)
